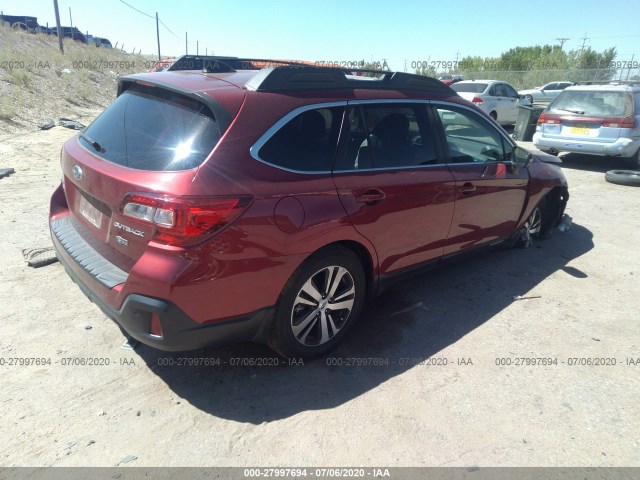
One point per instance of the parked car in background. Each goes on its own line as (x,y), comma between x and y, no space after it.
(546,93)
(98,41)
(69,32)
(162,65)
(593,119)
(498,99)
(103,42)
(270,205)
(20,22)
(450,79)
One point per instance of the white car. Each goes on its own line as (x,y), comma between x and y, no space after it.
(499,99)
(546,93)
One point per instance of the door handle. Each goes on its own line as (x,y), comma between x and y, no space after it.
(467,188)
(371,197)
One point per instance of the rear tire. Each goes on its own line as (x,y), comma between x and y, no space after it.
(633,162)
(319,304)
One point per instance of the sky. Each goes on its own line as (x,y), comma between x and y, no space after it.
(402,31)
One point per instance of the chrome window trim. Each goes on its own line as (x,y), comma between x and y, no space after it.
(266,136)
(386,169)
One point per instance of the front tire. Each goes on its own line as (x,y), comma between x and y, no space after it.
(538,225)
(319,304)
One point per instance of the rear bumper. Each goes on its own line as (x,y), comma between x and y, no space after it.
(623,147)
(179,331)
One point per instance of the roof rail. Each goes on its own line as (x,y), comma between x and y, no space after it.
(279,75)
(307,77)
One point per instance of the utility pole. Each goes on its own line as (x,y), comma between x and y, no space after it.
(158,35)
(630,63)
(186,43)
(584,41)
(562,40)
(59,29)
(197,47)
(70,19)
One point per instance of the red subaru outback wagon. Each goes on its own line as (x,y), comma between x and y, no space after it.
(227,204)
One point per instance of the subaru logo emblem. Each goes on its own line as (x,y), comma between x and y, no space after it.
(77,172)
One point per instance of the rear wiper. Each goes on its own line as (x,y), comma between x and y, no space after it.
(578,112)
(92,142)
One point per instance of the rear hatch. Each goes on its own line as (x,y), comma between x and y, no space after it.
(588,115)
(124,174)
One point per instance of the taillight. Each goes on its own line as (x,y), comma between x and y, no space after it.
(546,118)
(626,122)
(477,100)
(183,221)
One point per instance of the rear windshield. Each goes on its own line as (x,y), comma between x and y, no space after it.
(153,129)
(607,104)
(470,87)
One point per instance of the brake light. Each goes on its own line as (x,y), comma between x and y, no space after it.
(626,122)
(549,119)
(477,100)
(183,221)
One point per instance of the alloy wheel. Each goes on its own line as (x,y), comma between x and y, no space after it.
(322,306)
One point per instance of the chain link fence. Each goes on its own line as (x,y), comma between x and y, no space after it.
(534,78)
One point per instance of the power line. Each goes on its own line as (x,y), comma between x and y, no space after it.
(139,11)
(168,29)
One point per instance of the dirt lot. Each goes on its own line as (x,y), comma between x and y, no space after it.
(584,301)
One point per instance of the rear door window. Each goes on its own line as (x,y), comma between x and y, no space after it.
(388,136)
(153,129)
(510,91)
(307,142)
(500,91)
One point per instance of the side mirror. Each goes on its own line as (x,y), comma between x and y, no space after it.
(521,157)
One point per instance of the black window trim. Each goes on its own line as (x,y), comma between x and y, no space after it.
(266,136)
(504,136)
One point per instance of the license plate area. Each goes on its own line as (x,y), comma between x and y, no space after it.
(579,130)
(89,212)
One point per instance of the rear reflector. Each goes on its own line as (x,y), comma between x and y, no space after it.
(156,327)
(183,221)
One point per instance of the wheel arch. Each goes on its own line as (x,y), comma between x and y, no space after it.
(366,260)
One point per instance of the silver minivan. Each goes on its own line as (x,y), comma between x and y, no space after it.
(593,119)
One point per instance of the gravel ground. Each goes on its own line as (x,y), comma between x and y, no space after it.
(439,399)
